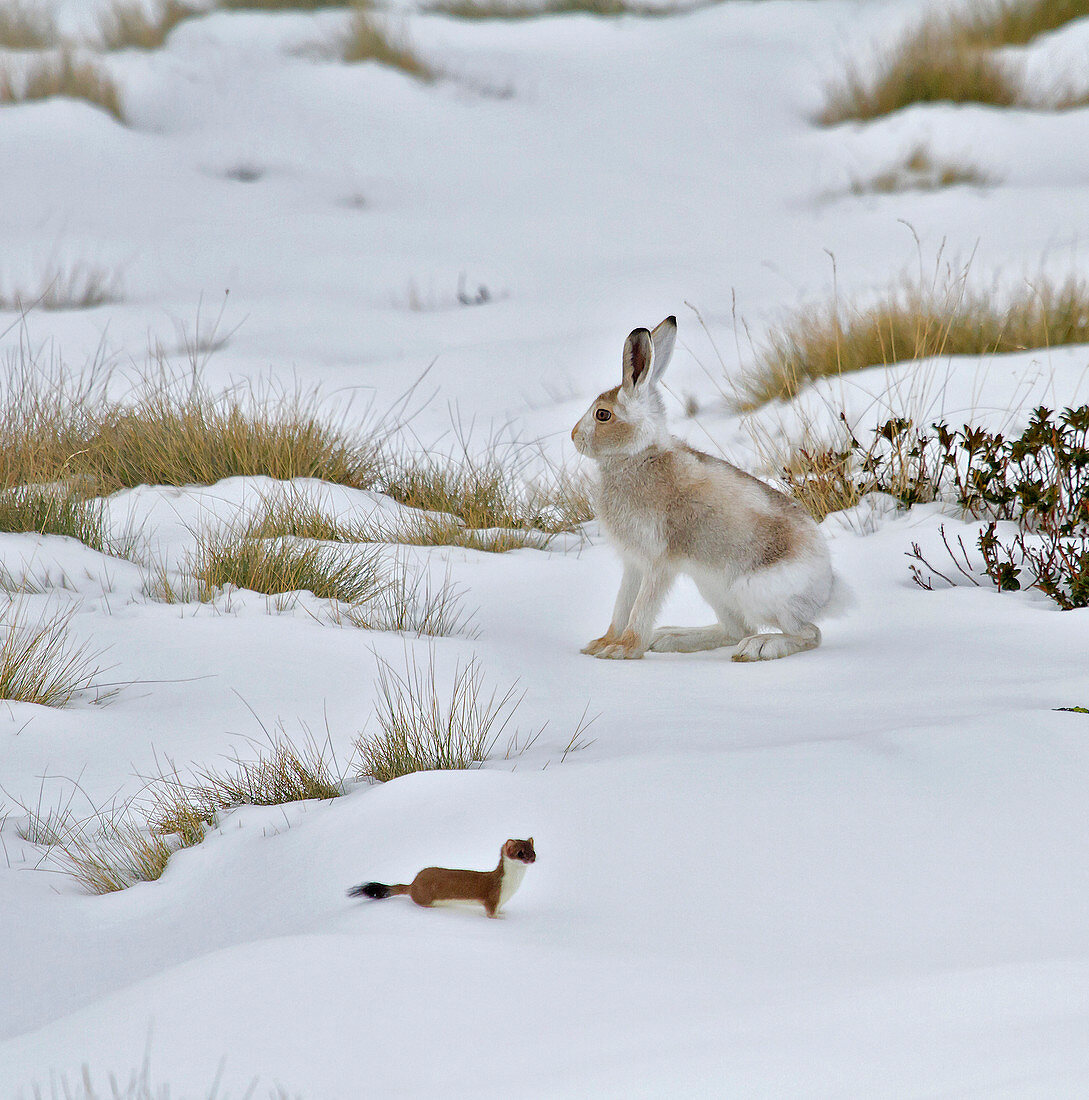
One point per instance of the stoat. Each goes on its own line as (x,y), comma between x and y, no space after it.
(441,885)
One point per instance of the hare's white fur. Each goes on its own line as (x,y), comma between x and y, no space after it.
(756,556)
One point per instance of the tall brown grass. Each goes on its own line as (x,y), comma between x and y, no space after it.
(517,9)
(1011,22)
(489,493)
(367,39)
(64,75)
(170,429)
(949,56)
(274,567)
(131,24)
(26,26)
(47,510)
(914,322)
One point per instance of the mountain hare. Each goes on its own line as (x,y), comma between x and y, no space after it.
(756,556)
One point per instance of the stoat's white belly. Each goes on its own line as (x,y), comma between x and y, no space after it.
(513,870)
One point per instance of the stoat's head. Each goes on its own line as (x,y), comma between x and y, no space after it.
(521,850)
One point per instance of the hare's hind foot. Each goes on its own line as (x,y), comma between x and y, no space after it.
(770,647)
(691,639)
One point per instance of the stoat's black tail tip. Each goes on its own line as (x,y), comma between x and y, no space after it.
(376,890)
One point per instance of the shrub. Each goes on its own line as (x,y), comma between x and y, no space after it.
(129,24)
(421,731)
(26,26)
(64,76)
(1038,480)
(39,661)
(914,323)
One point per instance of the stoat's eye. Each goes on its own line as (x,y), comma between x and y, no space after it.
(603,415)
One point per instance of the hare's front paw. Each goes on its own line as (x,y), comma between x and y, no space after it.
(598,644)
(628,647)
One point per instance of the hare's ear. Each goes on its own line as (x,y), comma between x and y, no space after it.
(663,336)
(638,356)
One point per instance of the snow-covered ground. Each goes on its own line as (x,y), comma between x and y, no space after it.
(860,871)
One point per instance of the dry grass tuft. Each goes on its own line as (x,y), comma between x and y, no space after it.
(26,26)
(914,323)
(39,661)
(421,731)
(113,849)
(130,24)
(117,855)
(488,494)
(289,773)
(171,430)
(921,172)
(950,58)
(51,511)
(66,76)
(281,5)
(81,286)
(1012,22)
(170,437)
(922,68)
(368,40)
(517,9)
(275,567)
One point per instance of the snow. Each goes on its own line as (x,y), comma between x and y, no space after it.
(857,871)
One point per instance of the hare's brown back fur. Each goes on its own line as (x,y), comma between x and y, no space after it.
(693,507)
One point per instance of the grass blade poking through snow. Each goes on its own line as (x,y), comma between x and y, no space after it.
(39,661)
(425,730)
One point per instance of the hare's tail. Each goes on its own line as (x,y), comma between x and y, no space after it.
(841,601)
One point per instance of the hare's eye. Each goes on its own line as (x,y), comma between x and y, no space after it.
(603,415)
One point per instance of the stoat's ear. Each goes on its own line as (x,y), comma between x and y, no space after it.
(638,356)
(663,336)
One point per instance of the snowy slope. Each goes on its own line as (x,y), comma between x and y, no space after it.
(860,871)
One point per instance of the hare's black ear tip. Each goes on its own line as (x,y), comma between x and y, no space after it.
(672,320)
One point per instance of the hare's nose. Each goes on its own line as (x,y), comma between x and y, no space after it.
(574,433)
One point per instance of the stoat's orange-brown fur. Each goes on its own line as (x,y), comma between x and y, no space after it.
(444,885)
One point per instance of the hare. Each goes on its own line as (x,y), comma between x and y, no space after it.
(756,556)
